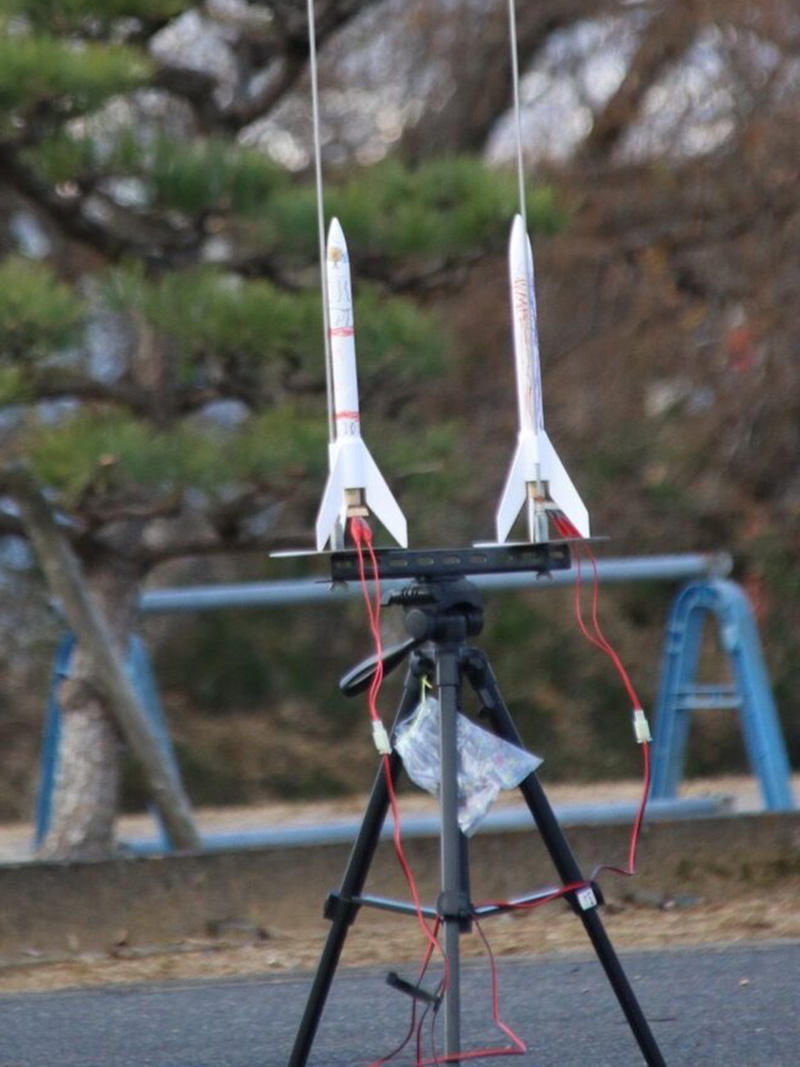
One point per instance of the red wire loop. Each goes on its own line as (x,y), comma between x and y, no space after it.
(599,640)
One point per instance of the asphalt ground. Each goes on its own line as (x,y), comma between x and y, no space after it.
(731,1006)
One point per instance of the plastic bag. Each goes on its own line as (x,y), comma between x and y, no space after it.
(486,763)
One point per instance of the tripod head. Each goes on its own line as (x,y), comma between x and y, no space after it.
(440,609)
(443,610)
(440,603)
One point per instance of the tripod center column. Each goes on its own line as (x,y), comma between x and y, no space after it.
(453,902)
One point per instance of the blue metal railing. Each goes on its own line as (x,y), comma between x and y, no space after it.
(678,695)
(749,693)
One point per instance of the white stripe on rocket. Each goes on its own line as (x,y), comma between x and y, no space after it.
(536,473)
(354,475)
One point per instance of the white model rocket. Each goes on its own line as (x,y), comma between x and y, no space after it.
(355,485)
(537,477)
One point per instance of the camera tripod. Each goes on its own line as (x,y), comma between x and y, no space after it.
(440,614)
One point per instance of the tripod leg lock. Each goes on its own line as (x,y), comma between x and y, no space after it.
(339,908)
(394,980)
(456,908)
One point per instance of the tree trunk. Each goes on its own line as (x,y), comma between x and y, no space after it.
(99,691)
(86,793)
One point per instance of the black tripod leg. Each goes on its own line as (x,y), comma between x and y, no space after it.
(340,909)
(484,682)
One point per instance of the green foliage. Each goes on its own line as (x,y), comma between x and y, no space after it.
(426,464)
(210,175)
(13,386)
(444,208)
(38,314)
(59,16)
(279,443)
(37,71)
(397,334)
(431,450)
(69,456)
(60,158)
(213,174)
(250,323)
(426,467)
(61,155)
(206,313)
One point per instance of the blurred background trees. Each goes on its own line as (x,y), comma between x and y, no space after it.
(161,351)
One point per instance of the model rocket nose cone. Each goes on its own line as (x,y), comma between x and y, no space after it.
(337,246)
(517,246)
(517,228)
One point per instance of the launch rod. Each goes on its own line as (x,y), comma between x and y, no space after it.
(667,568)
(326,326)
(512,23)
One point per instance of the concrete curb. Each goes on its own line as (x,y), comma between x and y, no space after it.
(91,906)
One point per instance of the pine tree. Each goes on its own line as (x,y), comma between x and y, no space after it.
(161,373)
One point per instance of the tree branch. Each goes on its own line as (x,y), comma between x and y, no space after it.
(10,526)
(478,59)
(665,40)
(299,539)
(156,241)
(279,43)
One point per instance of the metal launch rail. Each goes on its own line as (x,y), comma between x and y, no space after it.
(671,568)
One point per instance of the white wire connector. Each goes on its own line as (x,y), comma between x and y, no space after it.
(641,727)
(381,738)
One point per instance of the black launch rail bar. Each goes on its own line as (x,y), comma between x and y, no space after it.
(434,563)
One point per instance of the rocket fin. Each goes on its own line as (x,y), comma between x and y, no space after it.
(513,495)
(378,497)
(381,502)
(331,504)
(561,491)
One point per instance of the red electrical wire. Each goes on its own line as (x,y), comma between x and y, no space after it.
(597,638)
(530,905)
(517,1046)
(413,1025)
(362,536)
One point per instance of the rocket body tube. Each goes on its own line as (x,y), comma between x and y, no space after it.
(342,334)
(537,478)
(525,330)
(354,484)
